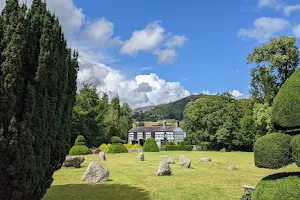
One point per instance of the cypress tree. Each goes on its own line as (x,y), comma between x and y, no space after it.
(37,94)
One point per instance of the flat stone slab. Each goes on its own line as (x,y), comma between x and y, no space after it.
(205,159)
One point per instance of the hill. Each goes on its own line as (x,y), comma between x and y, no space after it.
(172,110)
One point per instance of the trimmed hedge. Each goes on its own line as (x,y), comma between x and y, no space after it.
(79,150)
(128,145)
(178,148)
(286,107)
(150,145)
(117,140)
(80,140)
(295,145)
(136,146)
(273,151)
(117,148)
(278,189)
(104,146)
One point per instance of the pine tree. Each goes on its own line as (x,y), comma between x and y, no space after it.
(37,94)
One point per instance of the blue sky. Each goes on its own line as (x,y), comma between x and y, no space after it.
(152,52)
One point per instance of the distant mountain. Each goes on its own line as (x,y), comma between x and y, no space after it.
(172,110)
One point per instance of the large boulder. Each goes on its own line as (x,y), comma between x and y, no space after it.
(95,173)
(102,156)
(141,156)
(164,169)
(184,162)
(170,160)
(205,159)
(73,161)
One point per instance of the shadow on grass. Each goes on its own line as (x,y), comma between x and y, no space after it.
(96,191)
(281,175)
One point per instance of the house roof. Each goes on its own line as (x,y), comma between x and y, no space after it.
(152,129)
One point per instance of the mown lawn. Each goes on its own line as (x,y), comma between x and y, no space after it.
(130,179)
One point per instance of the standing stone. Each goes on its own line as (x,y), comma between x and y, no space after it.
(232,167)
(184,162)
(73,161)
(164,169)
(140,156)
(205,159)
(170,160)
(95,173)
(102,156)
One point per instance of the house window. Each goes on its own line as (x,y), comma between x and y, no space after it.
(144,135)
(153,135)
(135,136)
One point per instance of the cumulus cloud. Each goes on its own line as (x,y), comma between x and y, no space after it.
(143,90)
(166,56)
(176,41)
(236,94)
(277,4)
(264,28)
(296,30)
(100,31)
(289,9)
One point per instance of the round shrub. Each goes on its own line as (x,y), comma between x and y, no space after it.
(278,189)
(136,146)
(273,151)
(79,150)
(286,107)
(117,148)
(128,145)
(150,145)
(80,140)
(295,145)
(117,140)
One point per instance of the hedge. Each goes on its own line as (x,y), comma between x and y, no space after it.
(104,146)
(295,145)
(117,140)
(128,145)
(278,189)
(273,151)
(150,145)
(136,146)
(205,146)
(286,107)
(80,140)
(79,150)
(178,148)
(117,148)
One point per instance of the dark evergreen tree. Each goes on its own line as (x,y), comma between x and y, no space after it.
(37,94)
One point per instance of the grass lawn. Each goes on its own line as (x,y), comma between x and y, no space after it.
(130,179)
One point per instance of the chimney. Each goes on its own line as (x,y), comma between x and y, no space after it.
(177,124)
(164,123)
(133,125)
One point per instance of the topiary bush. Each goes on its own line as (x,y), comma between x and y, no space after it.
(128,145)
(104,146)
(80,140)
(273,151)
(150,145)
(281,188)
(79,150)
(117,140)
(286,107)
(295,145)
(136,146)
(117,148)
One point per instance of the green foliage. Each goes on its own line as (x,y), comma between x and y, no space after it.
(128,145)
(172,110)
(38,75)
(79,150)
(286,187)
(275,63)
(150,145)
(117,140)
(178,148)
(286,110)
(204,146)
(295,145)
(273,151)
(104,146)
(80,140)
(136,146)
(141,124)
(171,143)
(117,148)
(223,150)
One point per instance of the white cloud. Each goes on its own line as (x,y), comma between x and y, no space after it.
(289,9)
(206,92)
(100,31)
(147,39)
(176,41)
(143,90)
(166,56)
(270,4)
(264,28)
(147,68)
(236,94)
(296,30)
